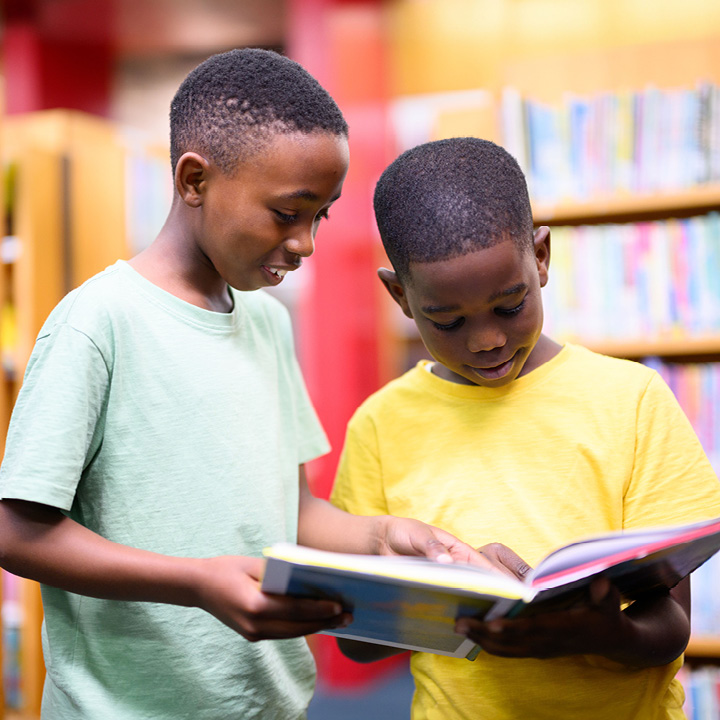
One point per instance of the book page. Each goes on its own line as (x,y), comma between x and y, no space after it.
(413,569)
(579,558)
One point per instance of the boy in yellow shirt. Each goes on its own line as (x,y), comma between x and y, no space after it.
(510,437)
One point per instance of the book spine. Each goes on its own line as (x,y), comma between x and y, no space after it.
(651,140)
(661,277)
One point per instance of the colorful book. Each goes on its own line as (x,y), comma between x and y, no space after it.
(413,603)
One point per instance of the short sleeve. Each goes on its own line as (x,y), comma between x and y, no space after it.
(56,423)
(672,479)
(358,487)
(312,441)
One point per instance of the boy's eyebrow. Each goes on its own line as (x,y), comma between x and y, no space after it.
(304,195)
(433,309)
(510,291)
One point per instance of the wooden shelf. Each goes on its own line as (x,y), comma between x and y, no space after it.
(67,223)
(705,649)
(698,349)
(624,208)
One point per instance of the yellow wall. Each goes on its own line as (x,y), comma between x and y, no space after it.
(546,46)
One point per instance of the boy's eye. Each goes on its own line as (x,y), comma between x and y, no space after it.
(449,326)
(322,215)
(509,312)
(285,217)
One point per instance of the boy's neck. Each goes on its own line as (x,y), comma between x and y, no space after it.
(175,267)
(545,350)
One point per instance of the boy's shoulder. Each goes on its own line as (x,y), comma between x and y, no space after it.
(92,301)
(604,370)
(399,392)
(119,292)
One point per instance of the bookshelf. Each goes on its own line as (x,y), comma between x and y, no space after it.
(64,220)
(703,650)
(623,208)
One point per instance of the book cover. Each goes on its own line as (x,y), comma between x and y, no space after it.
(409,603)
(413,603)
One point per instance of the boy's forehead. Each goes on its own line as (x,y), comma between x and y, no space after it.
(485,272)
(306,149)
(305,167)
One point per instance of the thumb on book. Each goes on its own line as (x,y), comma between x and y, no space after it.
(505,559)
(600,590)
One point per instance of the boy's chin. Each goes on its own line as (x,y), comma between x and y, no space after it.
(470,376)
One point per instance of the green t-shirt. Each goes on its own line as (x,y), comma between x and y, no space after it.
(178,430)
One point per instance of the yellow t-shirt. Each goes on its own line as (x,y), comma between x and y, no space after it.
(584,444)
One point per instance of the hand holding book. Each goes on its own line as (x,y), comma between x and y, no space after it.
(653,630)
(413,603)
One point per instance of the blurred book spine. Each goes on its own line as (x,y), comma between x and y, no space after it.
(11,633)
(651,280)
(613,143)
(702,692)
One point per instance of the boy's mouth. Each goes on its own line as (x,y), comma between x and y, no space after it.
(496,372)
(276,274)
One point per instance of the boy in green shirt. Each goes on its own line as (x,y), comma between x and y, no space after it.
(159,441)
(509,437)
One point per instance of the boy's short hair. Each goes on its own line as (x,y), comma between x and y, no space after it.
(231,105)
(448,198)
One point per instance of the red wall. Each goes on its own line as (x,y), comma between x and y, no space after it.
(343,45)
(61,60)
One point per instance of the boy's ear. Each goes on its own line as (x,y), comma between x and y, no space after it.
(390,280)
(541,243)
(191,175)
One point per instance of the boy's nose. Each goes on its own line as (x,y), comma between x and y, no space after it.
(302,242)
(485,339)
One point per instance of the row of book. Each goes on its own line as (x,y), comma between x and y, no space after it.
(11,614)
(610,143)
(702,692)
(650,280)
(705,584)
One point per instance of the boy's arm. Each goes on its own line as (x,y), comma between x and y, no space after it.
(652,631)
(324,526)
(40,543)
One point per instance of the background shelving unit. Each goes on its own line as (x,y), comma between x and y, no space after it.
(703,650)
(631,208)
(64,213)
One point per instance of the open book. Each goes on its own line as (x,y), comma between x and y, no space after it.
(412,603)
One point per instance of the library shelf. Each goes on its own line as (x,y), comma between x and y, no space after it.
(703,650)
(631,207)
(705,348)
